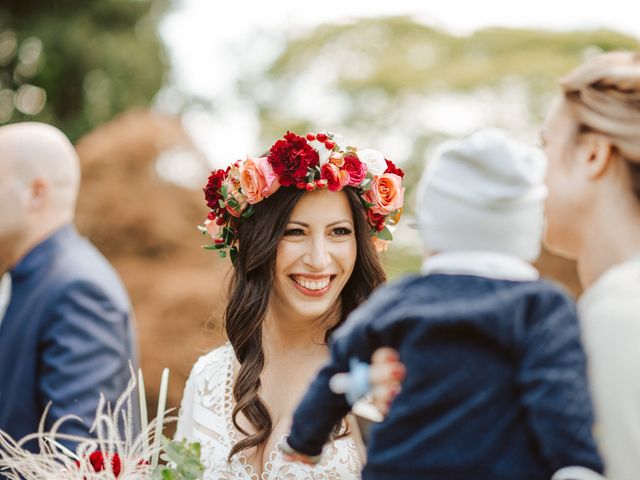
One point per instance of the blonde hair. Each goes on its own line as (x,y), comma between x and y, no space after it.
(605,95)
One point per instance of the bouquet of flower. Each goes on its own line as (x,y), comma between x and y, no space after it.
(113,453)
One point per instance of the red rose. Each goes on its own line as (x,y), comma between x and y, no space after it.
(96,459)
(376,220)
(212,193)
(291,159)
(336,178)
(355,168)
(391,168)
(331,174)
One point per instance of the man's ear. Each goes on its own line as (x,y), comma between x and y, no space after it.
(40,190)
(596,153)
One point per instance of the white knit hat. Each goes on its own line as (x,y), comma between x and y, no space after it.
(484,192)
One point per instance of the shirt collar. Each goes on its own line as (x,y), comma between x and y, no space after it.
(5,294)
(494,265)
(624,273)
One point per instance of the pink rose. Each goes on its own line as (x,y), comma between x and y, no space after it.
(355,168)
(336,178)
(271,179)
(212,228)
(257,179)
(386,194)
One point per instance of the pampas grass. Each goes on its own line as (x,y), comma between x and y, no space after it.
(113,432)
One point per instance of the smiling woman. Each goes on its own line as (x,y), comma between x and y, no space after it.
(299,225)
(316,256)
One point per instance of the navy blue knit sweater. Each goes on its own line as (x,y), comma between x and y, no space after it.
(495,389)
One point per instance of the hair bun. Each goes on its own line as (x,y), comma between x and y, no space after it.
(605,92)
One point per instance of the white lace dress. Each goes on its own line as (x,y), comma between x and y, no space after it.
(205,416)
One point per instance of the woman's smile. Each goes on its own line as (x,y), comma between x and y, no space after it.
(313,285)
(315,257)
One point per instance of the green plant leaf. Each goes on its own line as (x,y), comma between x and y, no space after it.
(248,212)
(233,253)
(385,234)
(183,461)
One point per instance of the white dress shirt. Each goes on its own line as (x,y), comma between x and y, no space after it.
(5,294)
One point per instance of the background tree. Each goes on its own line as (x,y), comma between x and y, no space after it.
(401,83)
(76,64)
(404,86)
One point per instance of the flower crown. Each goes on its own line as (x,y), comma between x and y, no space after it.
(307,163)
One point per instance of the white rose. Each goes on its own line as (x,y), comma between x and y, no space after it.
(323,153)
(374,161)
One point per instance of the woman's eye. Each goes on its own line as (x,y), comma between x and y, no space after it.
(293,232)
(341,231)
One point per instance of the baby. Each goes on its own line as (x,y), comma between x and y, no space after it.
(496,384)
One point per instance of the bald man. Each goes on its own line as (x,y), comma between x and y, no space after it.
(67,331)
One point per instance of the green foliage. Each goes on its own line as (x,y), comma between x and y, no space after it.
(385,234)
(397,81)
(385,74)
(400,261)
(98,58)
(183,461)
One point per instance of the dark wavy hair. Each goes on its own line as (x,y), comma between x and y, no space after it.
(250,291)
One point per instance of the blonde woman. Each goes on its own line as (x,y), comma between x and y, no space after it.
(592,139)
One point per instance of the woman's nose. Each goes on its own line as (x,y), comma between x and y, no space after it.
(317,257)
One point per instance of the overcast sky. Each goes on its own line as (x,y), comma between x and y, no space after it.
(200,34)
(200,29)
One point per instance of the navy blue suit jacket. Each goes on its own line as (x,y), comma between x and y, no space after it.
(67,335)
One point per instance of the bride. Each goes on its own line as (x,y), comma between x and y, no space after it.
(302,226)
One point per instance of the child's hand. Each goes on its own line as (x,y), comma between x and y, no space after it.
(299,457)
(385,375)
(291,455)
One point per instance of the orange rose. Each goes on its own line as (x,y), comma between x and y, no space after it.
(252,182)
(386,194)
(337,160)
